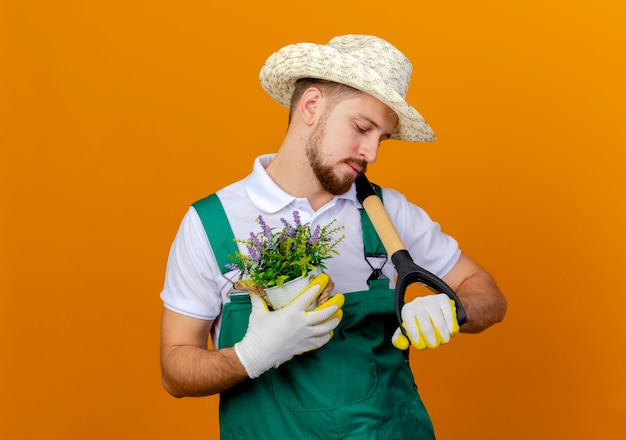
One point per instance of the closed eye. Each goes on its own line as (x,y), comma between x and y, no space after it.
(361,129)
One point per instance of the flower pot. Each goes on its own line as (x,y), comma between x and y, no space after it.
(279,297)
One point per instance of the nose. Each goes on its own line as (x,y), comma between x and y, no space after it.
(368,149)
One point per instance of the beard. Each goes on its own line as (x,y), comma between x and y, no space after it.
(330,182)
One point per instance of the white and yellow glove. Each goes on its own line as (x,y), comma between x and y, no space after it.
(274,337)
(428,321)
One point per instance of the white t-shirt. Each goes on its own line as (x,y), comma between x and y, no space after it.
(194,285)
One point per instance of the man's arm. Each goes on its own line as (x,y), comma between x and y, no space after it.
(272,338)
(482,300)
(188,368)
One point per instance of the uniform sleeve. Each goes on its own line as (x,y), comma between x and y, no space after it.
(429,247)
(192,277)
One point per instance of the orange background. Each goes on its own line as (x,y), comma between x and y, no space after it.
(116,115)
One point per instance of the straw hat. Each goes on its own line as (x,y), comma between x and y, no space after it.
(364,62)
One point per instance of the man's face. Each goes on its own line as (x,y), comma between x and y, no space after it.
(346,139)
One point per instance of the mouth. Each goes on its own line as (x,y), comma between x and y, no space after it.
(359,167)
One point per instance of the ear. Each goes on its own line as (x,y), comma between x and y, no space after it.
(311,104)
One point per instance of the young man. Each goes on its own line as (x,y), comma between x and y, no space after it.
(332,372)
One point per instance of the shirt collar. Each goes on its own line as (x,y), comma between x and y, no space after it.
(269,197)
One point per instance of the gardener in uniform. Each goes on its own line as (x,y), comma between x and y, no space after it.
(333,372)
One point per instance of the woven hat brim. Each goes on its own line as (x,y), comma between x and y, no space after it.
(308,60)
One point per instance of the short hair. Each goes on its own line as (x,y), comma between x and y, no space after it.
(333,91)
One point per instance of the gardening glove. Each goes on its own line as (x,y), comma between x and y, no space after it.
(428,321)
(274,337)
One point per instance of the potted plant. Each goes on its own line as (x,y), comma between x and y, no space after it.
(279,262)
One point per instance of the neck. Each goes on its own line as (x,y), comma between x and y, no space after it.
(291,171)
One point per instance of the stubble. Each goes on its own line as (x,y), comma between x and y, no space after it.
(330,182)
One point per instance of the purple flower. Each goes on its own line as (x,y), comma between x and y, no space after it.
(266,229)
(254,253)
(296,219)
(288,230)
(315,237)
(230,266)
(255,240)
